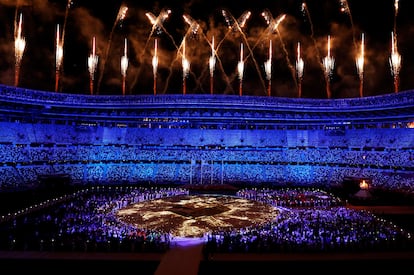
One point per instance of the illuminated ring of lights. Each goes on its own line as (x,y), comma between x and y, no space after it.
(196,215)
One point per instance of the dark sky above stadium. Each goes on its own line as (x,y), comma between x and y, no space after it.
(344,21)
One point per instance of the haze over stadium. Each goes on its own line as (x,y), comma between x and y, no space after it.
(242,32)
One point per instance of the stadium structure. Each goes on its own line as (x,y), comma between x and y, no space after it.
(50,140)
(203,139)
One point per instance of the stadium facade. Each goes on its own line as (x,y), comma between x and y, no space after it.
(205,139)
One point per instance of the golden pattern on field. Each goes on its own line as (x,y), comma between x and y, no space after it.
(195,215)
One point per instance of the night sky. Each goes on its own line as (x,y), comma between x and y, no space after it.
(310,26)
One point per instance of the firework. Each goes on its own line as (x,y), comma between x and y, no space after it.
(268,68)
(155,65)
(396,7)
(157,28)
(344,6)
(157,21)
(68,5)
(273,28)
(299,70)
(121,14)
(329,65)
(240,69)
(272,23)
(360,66)
(194,26)
(346,9)
(236,25)
(124,66)
(212,65)
(395,62)
(92,64)
(186,68)
(306,13)
(19,46)
(59,56)
(119,18)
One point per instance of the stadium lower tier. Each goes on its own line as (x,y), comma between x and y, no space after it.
(216,172)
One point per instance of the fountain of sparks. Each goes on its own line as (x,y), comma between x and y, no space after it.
(329,65)
(60,38)
(19,46)
(328,62)
(155,65)
(306,13)
(346,9)
(272,23)
(194,26)
(214,59)
(360,66)
(299,70)
(396,5)
(158,21)
(58,57)
(212,65)
(233,24)
(119,19)
(92,65)
(395,59)
(124,66)
(157,28)
(268,70)
(237,26)
(186,68)
(68,5)
(395,62)
(194,32)
(273,27)
(240,69)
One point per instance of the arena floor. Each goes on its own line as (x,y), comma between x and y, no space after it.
(188,217)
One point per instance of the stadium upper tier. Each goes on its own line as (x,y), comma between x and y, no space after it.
(200,110)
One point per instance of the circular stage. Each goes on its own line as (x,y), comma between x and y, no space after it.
(195,215)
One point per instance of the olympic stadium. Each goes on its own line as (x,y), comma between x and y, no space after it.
(56,147)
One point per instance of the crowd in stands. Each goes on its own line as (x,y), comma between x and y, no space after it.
(22,164)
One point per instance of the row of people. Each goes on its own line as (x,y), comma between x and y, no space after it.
(23,154)
(87,221)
